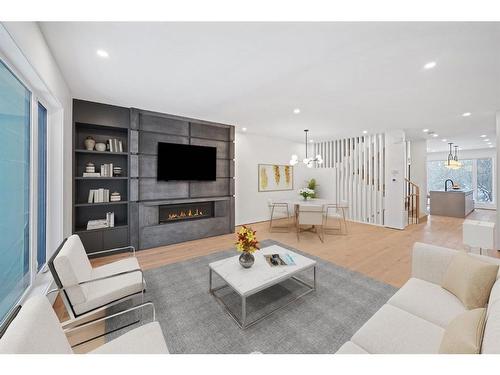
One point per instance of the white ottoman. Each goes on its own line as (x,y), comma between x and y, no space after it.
(479,235)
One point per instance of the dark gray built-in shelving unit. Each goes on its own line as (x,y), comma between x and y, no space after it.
(101,122)
(137,216)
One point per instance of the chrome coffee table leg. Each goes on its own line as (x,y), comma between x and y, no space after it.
(243,311)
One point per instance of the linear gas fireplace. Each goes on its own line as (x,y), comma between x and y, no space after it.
(170,213)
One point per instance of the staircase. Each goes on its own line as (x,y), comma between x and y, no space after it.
(412,201)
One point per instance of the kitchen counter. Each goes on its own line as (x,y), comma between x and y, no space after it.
(454,203)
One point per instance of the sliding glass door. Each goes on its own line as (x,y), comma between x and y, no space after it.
(41,242)
(15,109)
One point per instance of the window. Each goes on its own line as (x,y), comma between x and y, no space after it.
(437,174)
(42,188)
(15,109)
(485,180)
(475,174)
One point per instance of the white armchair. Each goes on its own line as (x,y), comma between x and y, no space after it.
(36,330)
(86,289)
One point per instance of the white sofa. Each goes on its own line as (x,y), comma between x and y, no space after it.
(414,319)
(36,330)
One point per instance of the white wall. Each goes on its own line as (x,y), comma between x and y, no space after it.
(418,170)
(26,49)
(251,150)
(497,191)
(395,165)
(325,182)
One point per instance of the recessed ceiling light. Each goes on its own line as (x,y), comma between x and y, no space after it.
(444,140)
(244,129)
(483,136)
(365,131)
(490,146)
(102,53)
(425,130)
(466,114)
(296,111)
(435,135)
(486,139)
(311,141)
(430,65)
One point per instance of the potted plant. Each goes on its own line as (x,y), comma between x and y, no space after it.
(311,184)
(247,244)
(306,193)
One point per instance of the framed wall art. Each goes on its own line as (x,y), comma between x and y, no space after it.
(275,177)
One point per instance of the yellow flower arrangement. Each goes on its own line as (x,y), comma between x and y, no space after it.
(247,240)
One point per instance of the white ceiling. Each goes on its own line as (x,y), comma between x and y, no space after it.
(345,77)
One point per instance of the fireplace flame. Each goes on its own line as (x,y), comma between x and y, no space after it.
(185,214)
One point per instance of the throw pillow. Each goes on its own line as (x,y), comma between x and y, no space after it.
(470,280)
(464,334)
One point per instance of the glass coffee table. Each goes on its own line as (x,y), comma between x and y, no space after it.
(249,281)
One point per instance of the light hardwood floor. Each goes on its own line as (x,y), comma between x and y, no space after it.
(381,253)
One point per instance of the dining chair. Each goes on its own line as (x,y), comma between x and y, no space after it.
(336,211)
(279,211)
(311,215)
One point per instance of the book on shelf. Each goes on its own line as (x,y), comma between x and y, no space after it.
(99,196)
(275,260)
(89,174)
(115,145)
(106,170)
(110,219)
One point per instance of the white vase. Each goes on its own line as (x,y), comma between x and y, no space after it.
(100,146)
(89,143)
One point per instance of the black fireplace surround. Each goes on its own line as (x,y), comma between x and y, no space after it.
(170,213)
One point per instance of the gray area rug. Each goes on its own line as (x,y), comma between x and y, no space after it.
(320,322)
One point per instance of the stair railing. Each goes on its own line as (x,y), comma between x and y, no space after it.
(412,201)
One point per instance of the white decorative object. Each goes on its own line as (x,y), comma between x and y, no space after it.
(309,162)
(89,143)
(115,197)
(479,235)
(90,168)
(100,146)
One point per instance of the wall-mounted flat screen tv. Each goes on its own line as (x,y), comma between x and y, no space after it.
(186,162)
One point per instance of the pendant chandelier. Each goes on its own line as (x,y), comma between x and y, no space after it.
(453,162)
(307,161)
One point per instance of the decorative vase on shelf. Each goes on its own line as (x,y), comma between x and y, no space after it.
(247,244)
(89,143)
(246,259)
(100,146)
